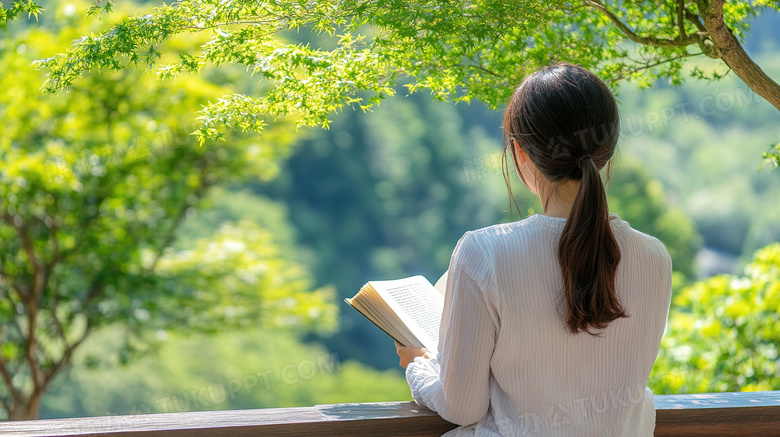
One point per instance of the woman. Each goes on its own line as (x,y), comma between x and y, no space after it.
(551,324)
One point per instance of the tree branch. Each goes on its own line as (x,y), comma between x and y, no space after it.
(11,283)
(649,66)
(32,317)
(26,242)
(9,380)
(253,22)
(57,323)
(31,301)
(13,302)
(639,39)
(30,251)
(680,19)
(66,356)
(479,65)
(693,18)
(729,49)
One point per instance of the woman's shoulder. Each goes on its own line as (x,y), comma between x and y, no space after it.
(499,230)
(638,235)
(527,229)
(647,244)
(489,239)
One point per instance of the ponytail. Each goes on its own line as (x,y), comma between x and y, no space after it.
(567,122)
(589,255)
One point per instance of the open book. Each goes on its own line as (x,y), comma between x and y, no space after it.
(408,310)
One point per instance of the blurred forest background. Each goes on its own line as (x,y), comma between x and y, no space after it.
(387,194)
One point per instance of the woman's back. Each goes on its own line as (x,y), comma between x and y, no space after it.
(551,324)
(508,361)
(548,376)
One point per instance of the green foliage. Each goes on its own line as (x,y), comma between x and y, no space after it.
(93,187)
(772,157)
(460,50)
(19,7)
(723,333)
(236,278)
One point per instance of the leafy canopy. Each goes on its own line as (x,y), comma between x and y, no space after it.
(458,50)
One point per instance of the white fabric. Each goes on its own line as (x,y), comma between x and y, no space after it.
(506,364)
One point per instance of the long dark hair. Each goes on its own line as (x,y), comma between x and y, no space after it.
(566,121)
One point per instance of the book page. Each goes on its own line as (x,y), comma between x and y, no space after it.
(441,284)
(417,304)
(371,305)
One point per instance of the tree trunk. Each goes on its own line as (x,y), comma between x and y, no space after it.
(27,411)
(732,53)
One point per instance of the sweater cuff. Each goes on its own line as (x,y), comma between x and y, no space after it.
(422,375)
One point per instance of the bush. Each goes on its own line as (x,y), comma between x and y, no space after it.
(723,333)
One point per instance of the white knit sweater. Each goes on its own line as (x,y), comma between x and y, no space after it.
(506,364)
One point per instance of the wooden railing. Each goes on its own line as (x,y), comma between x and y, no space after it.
(713,414)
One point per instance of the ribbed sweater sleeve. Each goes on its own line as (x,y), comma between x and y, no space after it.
(459,388)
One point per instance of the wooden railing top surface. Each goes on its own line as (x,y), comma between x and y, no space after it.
(711,414)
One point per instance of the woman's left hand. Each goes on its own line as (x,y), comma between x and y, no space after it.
(408,354)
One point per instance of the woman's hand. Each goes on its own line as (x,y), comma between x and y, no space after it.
(408,354)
